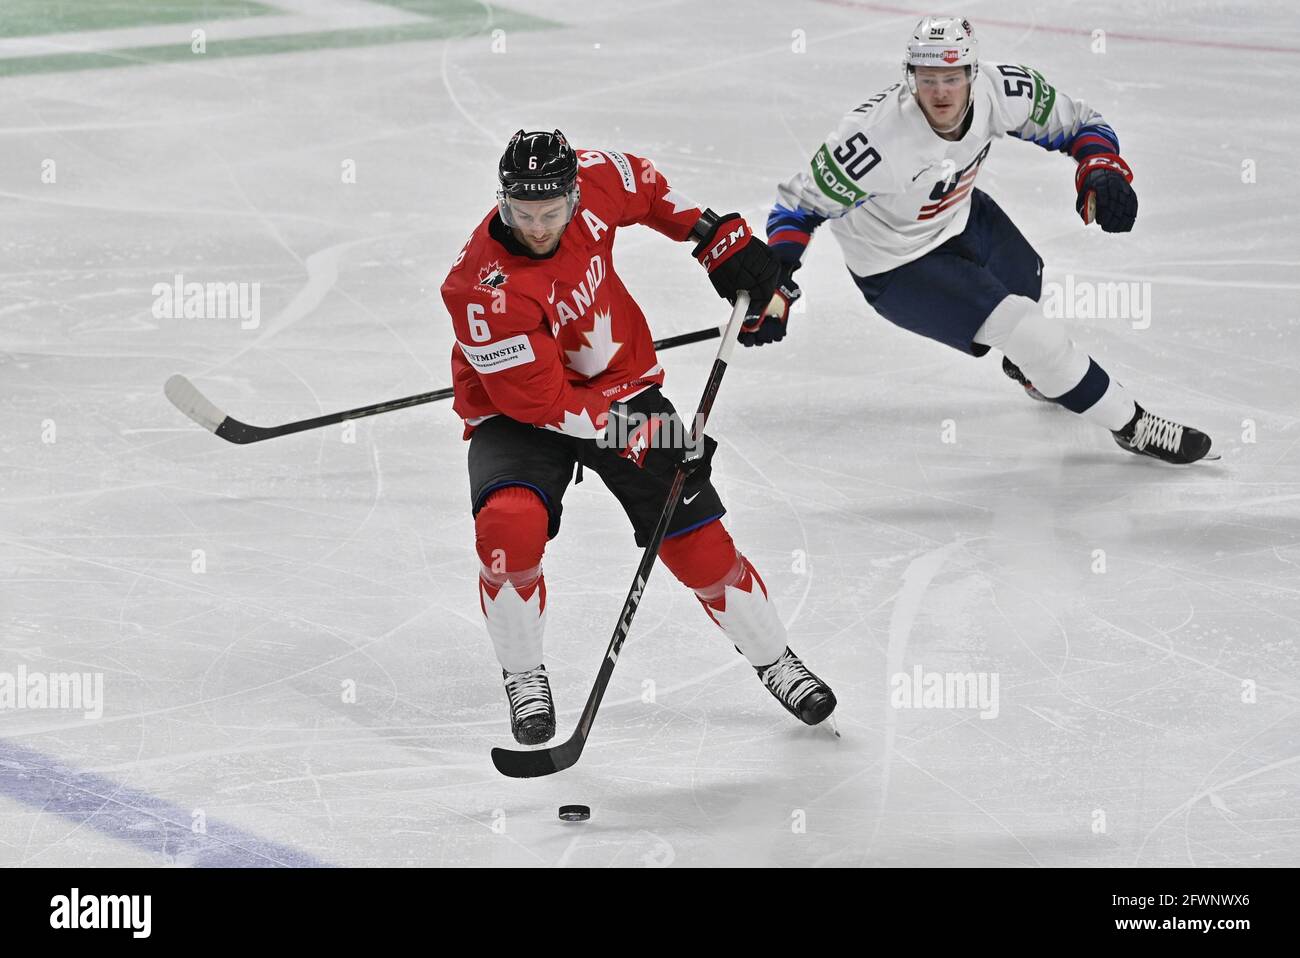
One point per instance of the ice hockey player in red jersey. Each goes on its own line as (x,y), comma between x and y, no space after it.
(554,366)
(934,255)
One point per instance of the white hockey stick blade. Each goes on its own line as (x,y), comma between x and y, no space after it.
(186,397)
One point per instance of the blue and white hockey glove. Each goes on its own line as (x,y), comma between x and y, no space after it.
(1105,196)
(767,323)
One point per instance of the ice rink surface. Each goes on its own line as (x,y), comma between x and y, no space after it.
(295,667)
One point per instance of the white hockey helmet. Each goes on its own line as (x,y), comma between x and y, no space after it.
(941,42)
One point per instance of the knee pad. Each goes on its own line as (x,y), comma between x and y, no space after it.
(702,557)
(1038,345)
(510,534)
(1046,354)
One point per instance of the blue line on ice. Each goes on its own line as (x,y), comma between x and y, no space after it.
(133,817)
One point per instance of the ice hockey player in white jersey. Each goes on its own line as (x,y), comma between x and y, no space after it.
(933,254)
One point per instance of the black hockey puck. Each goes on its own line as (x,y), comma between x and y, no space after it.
(574,813)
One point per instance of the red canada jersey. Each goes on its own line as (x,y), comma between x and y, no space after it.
(553,341)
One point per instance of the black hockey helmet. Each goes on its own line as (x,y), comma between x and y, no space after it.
(537,166)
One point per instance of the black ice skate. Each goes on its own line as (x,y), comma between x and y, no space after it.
(1164,439)
(1013,371)
(532,711)
(803,694)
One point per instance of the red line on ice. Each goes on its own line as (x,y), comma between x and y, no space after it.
(1077,31)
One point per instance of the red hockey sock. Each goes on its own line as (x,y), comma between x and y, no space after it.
(510,534)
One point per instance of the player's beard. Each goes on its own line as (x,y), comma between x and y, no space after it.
(542,249)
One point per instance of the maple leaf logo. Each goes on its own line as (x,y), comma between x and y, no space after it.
(594,358)
(742,605)
(491,275)
(578,424)
(681,203)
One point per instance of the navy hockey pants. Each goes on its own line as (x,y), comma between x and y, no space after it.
(948,293)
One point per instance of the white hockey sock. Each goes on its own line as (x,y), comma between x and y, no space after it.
(514,605)
(740,606)
(1058,368)
(1114,409)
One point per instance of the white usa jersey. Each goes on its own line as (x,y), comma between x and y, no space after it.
(893,189)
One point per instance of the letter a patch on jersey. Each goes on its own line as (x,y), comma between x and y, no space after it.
(595,225)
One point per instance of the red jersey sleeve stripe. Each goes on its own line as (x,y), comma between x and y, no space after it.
(789,236)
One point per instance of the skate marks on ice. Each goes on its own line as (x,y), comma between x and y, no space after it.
(918,575)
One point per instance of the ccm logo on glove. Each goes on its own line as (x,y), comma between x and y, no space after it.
(725,246)
(734,257)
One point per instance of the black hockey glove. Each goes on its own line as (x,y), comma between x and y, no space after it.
(766,323)
(1105,196)
(647,432)
(735,258)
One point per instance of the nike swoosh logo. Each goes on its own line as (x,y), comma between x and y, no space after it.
(918,175)
(687,500)
(551,298)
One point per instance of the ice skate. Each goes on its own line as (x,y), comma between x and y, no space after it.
(1164,439)
(532,711)
(803,694)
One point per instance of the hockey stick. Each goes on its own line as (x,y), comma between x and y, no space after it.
(517,763)
(185,396)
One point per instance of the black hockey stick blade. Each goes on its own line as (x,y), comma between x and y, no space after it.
(185,396)
(534,764)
